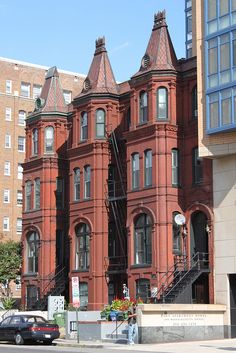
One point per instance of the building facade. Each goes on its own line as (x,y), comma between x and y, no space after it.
(20,85)
(215,50)
(114,190)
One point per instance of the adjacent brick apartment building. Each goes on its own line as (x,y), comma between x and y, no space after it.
(105,179)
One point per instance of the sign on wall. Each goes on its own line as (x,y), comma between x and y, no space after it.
(75,292)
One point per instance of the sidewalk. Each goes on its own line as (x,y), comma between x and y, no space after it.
(215,346)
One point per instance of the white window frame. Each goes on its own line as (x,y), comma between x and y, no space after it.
(21,145)
(7,168)
(19,225)
(21,117)
(8,86)
(19,199)
(37,89)
(67,96)
(7,141)
(25,89)
(8,114)
(19,171)
(6,224)
(6,196)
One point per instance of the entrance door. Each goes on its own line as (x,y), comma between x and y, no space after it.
(32,296)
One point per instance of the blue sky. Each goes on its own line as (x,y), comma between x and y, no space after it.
(63,33)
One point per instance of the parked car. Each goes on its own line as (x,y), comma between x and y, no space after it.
(23,328)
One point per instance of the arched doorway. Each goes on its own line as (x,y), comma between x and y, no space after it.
(199,245)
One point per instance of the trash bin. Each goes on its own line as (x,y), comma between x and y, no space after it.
(59,319)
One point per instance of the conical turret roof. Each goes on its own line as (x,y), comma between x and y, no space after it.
(100,78)
(51,98)
(160,54)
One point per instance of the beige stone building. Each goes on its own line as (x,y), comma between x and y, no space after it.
(213,27)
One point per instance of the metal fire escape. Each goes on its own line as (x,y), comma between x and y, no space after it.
(116,205)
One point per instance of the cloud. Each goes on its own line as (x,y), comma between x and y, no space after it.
(119,47)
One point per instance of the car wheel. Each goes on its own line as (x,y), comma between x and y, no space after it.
(18,339)
(48,343)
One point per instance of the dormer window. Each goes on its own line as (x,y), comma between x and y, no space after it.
(143,107)
(49,139)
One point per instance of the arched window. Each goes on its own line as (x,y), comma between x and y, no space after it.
(49,139)
(100,123)
(162,103)
(35,142)
(143,107)
(194,102)
(82,247)
(143,289)
(28,200)
(135,171)
(84,126)
(176,235)
(148,168)
(76,184)
(87,181)
(175,166)
(32,252)
(143,240)
(37,194)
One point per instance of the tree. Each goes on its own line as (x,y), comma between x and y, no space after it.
(10,262)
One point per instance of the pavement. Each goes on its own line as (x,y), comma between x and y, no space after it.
(212,346)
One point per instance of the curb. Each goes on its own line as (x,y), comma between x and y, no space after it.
(82,345)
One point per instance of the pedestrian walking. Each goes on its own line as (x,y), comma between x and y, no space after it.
(132,324)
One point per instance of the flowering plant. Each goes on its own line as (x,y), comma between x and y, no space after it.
(121,305)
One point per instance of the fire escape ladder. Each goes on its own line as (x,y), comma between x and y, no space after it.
(55,286)
(180,276)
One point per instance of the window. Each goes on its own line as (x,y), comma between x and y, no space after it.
(83,294)
(28,189)
(21,143)
(87,182)
(162,103)
(8,86)
(6,224)
(143,240)
(84,126)
(67,96)
(143,107)
(19,171)
(19,200)
(189,24)
(60,193)
(135,171)
(21,117)
(7,141)
(176,235)
(143,289)
(197,167)
(32,252)
(8,114)
(225,58)
(37,194)
(77,184)
(175,166)
(100,123)
(148,168)
(213,110)
(35,142)
(25,89)
(49,139)
(194,102)
(7,168)
(19,225)
(128,119)
(6,196)
(82,247)
(36,91)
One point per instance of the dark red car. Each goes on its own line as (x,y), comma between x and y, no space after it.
(23,328)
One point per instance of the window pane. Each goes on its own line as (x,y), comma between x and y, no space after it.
(213,61)
(211,9)
(162,103)
(148,168)
(226,107)
(224,7)
(100,123)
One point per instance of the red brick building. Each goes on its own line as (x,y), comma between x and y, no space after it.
(105,178)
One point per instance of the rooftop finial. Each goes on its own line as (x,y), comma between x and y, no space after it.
(100,45)
(160,19)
